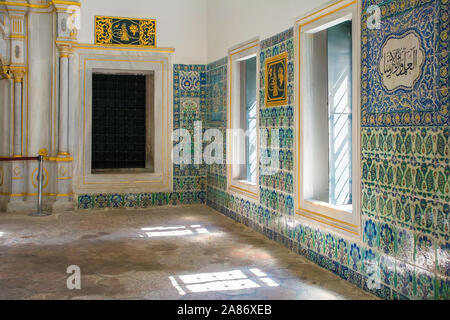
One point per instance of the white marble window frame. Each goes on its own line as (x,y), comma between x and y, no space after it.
(88,62)
(235,56)
(318,214)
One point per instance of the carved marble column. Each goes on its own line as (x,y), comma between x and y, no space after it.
(63,136)
(17,71)
(18,168)
(64,158)
(18,100)
(66,38)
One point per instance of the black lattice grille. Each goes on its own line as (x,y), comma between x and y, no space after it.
(118,121)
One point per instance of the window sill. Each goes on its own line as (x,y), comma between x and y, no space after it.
(338,209)
(339,219)
(245,189)
(122,171)
(246,183)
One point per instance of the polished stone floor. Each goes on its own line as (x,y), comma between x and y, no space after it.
(163,253)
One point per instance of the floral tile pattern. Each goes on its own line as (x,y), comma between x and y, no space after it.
(189,181)
(405,164)
(140,200)
(405,169)
(428,19)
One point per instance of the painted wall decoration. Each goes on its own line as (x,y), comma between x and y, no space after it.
(401,62)
(35,178)
(276,84)
(125,31)
(17,172)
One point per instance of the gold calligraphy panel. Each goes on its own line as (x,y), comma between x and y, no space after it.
(125,31)
(276,80)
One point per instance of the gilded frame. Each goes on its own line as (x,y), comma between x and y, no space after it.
(108,36)
(271,62)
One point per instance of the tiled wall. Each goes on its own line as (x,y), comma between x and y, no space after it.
(405,165)
(276,190)
(189,181)
(405,162)
(405,153)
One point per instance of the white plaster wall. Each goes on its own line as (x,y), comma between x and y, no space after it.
(181,24)
(231,22)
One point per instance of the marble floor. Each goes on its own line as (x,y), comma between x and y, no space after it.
(170,253)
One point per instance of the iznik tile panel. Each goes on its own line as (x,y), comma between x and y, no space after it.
(405,65)
(405,159)
(189,181)
(405,169)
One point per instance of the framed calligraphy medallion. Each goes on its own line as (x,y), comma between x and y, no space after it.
(276,80)
(125,31)
(402,58)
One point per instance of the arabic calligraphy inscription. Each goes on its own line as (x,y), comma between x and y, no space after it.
(276,80)
(401,62)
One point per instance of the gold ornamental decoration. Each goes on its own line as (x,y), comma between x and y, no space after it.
(276,80)
(125,31)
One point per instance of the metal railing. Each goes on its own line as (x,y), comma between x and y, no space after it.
(40,159)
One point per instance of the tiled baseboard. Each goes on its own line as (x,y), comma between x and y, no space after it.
(345,272)
(139,200)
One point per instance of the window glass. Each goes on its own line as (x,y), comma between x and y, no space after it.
(340,112)
(251,138)
(328,129)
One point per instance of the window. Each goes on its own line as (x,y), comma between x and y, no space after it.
(328,184)
(243,115)
(122,118)
(248,120)
(157,175)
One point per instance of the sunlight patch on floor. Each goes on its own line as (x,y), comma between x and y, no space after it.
(222,281)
